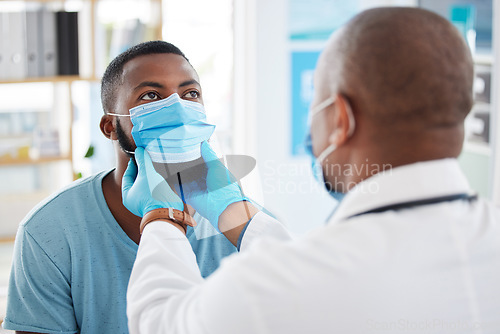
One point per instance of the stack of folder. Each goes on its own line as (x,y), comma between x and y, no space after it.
(38,43)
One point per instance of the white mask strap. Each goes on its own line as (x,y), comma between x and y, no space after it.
(333,147)
(326,153)
(326,103)
(321,106)
(124,150)
(113,114)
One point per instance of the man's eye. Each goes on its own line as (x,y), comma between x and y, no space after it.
(150,96)
(191,95)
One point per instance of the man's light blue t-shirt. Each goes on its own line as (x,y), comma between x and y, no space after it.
(72,263)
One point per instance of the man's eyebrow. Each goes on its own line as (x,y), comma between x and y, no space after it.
(159,85)
(149,84)
(189,82)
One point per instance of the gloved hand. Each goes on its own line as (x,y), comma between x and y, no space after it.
(146,190)
(222,189)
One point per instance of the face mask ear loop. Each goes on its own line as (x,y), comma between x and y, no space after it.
(113,114)
(326,153)
(320,107)
(333,147)
(124,150)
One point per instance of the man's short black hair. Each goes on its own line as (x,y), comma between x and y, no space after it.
(112,77)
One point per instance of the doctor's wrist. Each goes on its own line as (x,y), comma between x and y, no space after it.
(178,218)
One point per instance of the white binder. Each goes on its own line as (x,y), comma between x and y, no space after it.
(3,48)
(48,43)
(16,63)
(33,59)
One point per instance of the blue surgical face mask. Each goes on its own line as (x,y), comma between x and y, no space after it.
(317,162)
(170,130)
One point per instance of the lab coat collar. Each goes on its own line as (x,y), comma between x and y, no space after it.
(418,181)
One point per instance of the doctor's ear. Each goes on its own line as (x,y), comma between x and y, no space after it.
(343,120)
(107,126)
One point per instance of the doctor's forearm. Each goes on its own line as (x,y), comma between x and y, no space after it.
(166,292)
(165,267)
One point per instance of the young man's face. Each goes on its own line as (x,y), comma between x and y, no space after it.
(151,78)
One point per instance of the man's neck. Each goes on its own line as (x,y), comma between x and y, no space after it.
(111,187)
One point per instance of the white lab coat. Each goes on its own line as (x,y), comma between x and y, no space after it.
(427,269)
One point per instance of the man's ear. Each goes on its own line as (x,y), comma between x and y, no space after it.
(343,120)
(108,127)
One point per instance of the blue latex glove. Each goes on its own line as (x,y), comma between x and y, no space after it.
(146,190)
(222,189)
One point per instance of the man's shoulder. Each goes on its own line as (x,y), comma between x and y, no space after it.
(66,204)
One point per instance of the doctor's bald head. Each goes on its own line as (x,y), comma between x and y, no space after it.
(394,86)
(400,64)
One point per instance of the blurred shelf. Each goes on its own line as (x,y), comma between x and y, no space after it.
(14,206)
(478,105)
(15,136)
(33,195)
(477,148)
(59,78)
(7,239)
(483,58)
(29,161)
